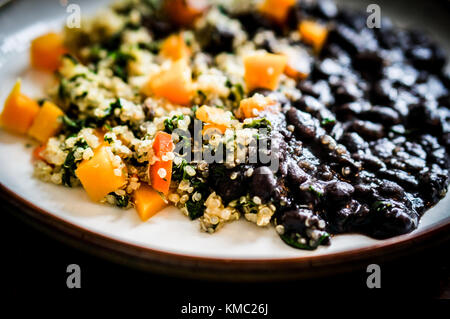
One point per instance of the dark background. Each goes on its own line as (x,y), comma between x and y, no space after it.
(35,266)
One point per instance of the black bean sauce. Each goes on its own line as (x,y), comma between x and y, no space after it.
(372,155)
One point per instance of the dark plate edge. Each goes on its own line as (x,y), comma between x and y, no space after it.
(225,269)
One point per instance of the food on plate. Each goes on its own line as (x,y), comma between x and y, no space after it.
(286,113)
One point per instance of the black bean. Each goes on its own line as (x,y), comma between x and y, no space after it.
(433,186)
(303,123)
(389,188)
(393,219)
(216,38)
(294,220)
(354,142)
(368,129)
(263,183)
(338,191)
(382,114)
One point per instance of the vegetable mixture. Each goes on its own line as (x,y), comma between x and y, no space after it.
(283,112)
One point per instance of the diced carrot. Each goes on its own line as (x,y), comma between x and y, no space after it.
(277,10)
(46,51)
(37,152)
(313,33)
(99,176)
(162,143)
(263,70)
(19,111)
(213,128)
(185,12)
(250,107)
(161,175)
(47,122)
(174,83)
(161,171)
(148,202)
(174,47)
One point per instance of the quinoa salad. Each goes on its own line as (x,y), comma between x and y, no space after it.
(283,113)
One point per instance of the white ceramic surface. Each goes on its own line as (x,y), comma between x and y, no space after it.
(169,230)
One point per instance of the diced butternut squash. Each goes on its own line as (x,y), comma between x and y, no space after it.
(19,111)
(214,115)
(209,129)
(148,202)
(185,12)
(263,70)
(46,51)
(47,122)
(161,171)
(313,33)
(174,47)
(99,176)
(250,107)
(276,10)
(174,83)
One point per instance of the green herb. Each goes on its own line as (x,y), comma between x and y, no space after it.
(62,89)
(259,123)
(294,243)
(236,91)
(202,95)
(120,64)
(117,104)
(171,124)
(195,209)
(69,165)
(121,200)
(70,57)
(315,191)
(108,139)
(154,46)
(77,76)
(179,172)
(70,125)
(327,121)
(381,205)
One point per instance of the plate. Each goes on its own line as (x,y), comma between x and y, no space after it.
(169,242)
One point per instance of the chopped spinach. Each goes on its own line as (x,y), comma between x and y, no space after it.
(121,200)
(259,123)
(69,165)
(327,121)
(195,209)
(120,64)
(171,124)
(294,243)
